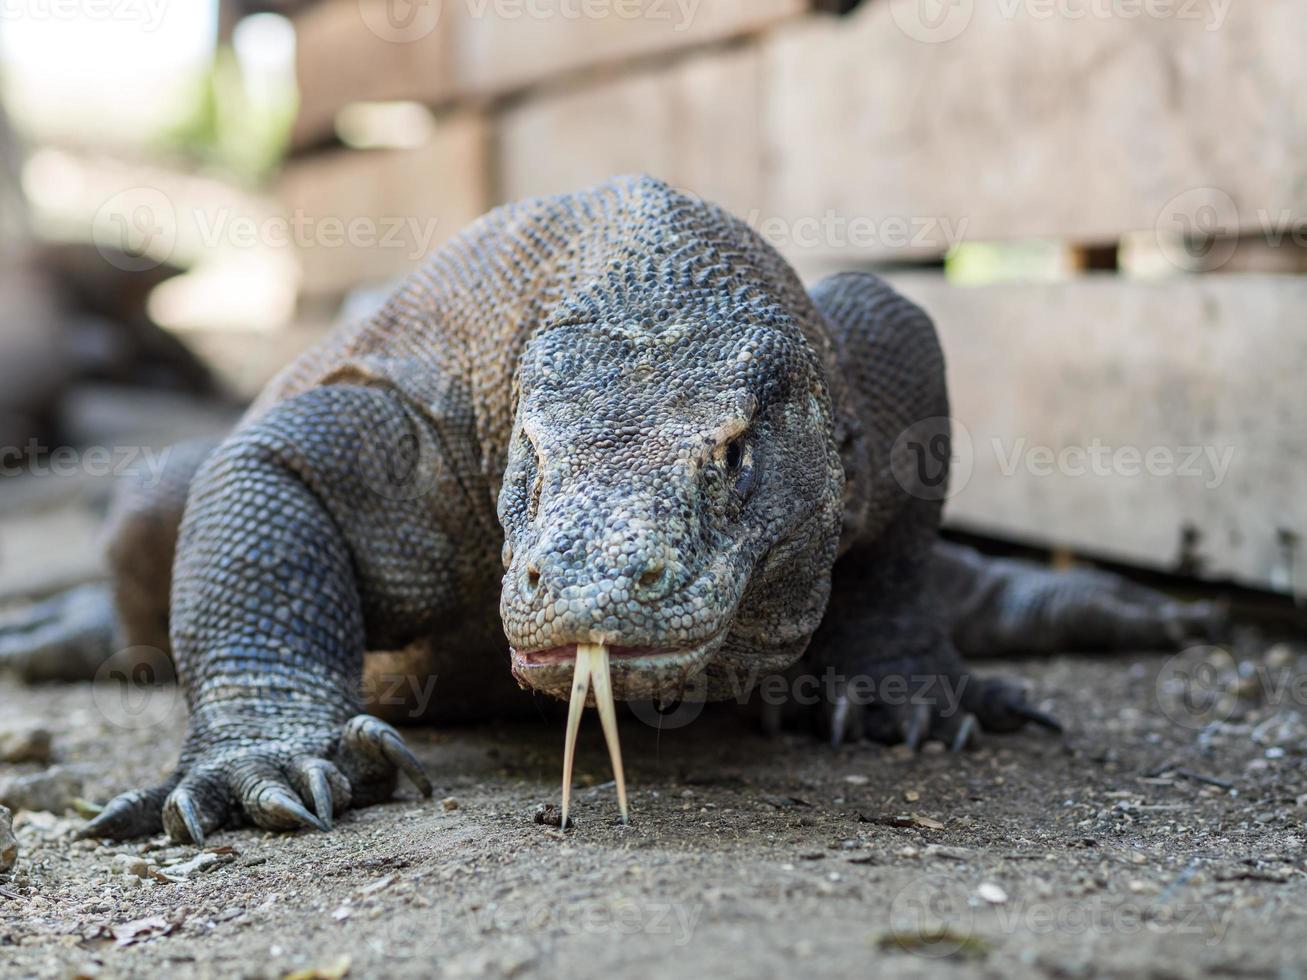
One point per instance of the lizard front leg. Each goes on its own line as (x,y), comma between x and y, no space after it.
(886,667)
(894,673)
(310,534)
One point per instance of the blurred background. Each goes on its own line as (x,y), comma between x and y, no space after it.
(1103,203)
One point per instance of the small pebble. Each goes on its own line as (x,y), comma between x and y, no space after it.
(1280,655)
(449,803)
(29,743)
(52,791)
(551,815)
(8,843)
(131,864)
(200,862)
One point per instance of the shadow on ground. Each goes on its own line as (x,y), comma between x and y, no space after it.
(1145,842)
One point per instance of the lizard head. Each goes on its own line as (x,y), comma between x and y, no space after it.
(672,493)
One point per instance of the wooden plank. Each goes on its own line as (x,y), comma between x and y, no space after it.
(363,50)
(511,44)
(1031,123)
(367,216)
(434,53)
(1117,417)
(672,122)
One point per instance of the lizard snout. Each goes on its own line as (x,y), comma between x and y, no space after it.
(615,578)
(635,566)
(582,583)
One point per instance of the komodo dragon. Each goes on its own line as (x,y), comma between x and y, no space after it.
(613,427)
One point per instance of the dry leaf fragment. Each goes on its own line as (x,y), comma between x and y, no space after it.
(335,970)
(141,930)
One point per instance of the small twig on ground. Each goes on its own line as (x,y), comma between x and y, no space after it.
(1197,777)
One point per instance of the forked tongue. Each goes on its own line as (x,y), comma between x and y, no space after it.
(592,669)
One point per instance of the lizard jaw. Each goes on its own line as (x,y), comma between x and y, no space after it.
(638,672)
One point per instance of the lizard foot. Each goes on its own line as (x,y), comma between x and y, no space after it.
(274,784)
(912,707)
(1206,621)
(64,638)
(950,708)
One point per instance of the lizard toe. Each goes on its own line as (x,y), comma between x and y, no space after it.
(843,721)
(883,723)
(264,789)
(1002,706)
(196,808)
(321,784)
(920,719)
(912,721)
(138,813)
(960,731)
(372,755)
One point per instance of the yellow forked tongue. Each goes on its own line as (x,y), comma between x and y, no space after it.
(592,668)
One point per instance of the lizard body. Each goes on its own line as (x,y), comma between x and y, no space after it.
(614,417)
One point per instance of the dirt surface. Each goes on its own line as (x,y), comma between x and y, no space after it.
(1160,837)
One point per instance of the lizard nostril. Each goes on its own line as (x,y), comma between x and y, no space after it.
(532,578)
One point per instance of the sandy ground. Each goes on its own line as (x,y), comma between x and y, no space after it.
(1160,837)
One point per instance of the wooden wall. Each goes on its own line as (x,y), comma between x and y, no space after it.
(878,140)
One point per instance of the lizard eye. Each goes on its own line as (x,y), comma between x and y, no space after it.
(535,477)
(734,456)
(537,485)
(736,461)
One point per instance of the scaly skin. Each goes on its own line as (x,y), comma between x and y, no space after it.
(620,411)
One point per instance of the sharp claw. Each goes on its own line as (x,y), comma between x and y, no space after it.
(279,802)
(403,758)
(125,816)
(99,825)
(320,789)
(839,720)
(94,829)
(918,727)
(190,816)
(966,734)
(379,743)
(1023,710)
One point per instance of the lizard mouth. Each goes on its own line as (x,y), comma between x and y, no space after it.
(594,673)
(637,672)
(634,656)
